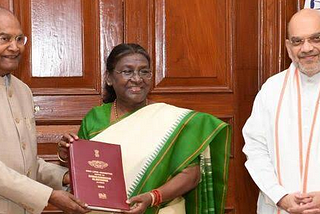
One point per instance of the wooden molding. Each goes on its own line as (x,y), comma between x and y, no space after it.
(221,82)
(274,16)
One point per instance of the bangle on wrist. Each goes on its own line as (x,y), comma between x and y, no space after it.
(60,158)
(157,197)
(152,199)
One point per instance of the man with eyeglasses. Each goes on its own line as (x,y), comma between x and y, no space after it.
(282,135)
(21,172)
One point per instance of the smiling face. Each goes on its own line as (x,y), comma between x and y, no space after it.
(304,27)
(10,54)
(132,91)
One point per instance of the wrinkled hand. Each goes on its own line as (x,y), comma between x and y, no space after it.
(64,145)
(140,203)
(289,201)
(310,203)
(67,202)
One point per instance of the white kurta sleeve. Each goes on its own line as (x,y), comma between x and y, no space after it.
(30,194)
(259,156)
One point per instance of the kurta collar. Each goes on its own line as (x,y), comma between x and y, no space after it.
(5,80)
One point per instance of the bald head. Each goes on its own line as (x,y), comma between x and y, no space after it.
(306,18)
(7,14)
(4,11)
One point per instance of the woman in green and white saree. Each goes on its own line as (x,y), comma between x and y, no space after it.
(175,160)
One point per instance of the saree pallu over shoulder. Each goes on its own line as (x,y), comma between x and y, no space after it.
(160,140)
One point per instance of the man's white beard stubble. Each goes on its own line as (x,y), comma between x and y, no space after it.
(308,71)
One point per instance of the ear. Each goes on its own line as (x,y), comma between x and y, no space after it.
(108,79)
(288,46)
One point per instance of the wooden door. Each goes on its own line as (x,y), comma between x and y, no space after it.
(211,56)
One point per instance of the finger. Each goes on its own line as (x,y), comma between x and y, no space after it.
(66,178)
(63,144)
(311,211)
(131,211)
(136,208)
(68,137)
(81,210)
(305,201)
(74,136)
(301,196)
(78,201)
(312,194)
(301,208)
(78,206)
(82,204)
(134,199)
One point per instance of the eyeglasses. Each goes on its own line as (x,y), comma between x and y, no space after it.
(6,39)
(313,40)
(144,73)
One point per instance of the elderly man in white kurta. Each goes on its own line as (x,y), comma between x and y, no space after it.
(282,135)
(21,172)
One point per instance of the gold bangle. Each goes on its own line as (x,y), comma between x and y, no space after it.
(152,199)
(60,159)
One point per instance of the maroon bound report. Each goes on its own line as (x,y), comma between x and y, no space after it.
(96,175)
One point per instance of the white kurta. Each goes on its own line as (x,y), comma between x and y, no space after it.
(259,135)
(20,193)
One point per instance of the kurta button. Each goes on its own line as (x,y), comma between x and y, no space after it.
(17,120)
(24,146)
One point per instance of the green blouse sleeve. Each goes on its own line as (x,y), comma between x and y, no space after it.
(82,133)
(95,121)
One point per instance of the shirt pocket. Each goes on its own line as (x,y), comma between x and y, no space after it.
(3,205)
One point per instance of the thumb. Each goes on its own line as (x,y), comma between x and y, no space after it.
(134,199)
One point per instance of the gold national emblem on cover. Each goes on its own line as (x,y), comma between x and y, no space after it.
(98,164)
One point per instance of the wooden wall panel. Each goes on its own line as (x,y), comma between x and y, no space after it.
(246,84)
(111,29)
(138,22)
(184,63)
(182,60)
(274,16)
(55,40)
(72,59)
(63,109)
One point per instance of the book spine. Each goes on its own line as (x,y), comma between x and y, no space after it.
(72,172)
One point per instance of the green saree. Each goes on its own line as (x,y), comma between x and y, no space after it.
(193,136)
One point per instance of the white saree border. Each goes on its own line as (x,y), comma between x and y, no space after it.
(313,4)
(142,136)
